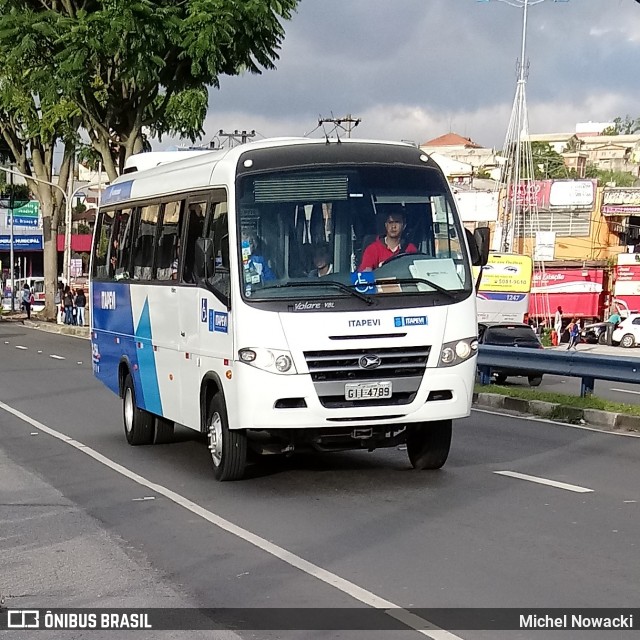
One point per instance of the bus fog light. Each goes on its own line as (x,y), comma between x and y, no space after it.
(283,363)
(463,349)
(448,355)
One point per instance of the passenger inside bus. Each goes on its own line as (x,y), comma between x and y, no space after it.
(256,266)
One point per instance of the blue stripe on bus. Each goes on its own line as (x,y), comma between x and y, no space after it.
(147,363)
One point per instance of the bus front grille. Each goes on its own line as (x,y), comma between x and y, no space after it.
(331,370)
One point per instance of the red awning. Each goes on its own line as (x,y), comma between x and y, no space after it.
(574,305)
(580,292)
(79,243)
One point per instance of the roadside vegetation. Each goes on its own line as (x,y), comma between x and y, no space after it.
(592,402)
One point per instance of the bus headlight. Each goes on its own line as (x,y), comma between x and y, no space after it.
(271,360)
(458,351)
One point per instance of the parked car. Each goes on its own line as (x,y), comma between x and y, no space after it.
(627,333)
(510,334)
(595,333)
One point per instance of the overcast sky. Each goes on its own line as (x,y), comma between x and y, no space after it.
(417,69)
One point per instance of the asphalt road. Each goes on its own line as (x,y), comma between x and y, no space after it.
(339,530)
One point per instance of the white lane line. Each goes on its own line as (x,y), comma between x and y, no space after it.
(19,346)
(551,483)
(349,588)
(55,357)
(626,391)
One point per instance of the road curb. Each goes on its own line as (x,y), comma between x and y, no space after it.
(51,327)
(607,420)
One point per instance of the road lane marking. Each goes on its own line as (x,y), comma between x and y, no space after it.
(422,626)
(551,483)
(55,357)
(19,346)
(626,391)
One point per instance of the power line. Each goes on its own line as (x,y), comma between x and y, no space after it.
(346,124)
(231,139)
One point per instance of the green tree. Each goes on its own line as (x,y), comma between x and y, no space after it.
(547,162)
(623,126)
(620,178)
(116,68)
(35,122)
(134,64)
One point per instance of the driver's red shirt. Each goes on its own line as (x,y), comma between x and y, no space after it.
(377,252)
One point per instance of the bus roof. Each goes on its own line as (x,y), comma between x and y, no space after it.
(178,171)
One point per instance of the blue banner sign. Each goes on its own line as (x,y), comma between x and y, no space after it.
(21,243)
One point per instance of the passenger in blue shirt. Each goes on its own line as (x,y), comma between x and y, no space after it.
(256,266)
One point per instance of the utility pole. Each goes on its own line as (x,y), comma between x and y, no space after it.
(12,240)
(233,139)
(346,124)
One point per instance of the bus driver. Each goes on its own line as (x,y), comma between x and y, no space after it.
(387,246)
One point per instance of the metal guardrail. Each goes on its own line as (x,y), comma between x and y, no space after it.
(590,367)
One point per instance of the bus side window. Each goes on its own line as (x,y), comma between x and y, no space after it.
(195,229)
(102,244)
(121,245)
(167,251)
(219,232)
(144,241)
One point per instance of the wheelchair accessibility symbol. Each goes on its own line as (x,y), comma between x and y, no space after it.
(364,281)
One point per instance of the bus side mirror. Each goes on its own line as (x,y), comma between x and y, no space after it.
(478,242)
(204,265)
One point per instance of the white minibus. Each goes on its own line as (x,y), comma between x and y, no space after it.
(287,295)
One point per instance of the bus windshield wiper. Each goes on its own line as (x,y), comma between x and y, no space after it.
(322,283)
(429,283)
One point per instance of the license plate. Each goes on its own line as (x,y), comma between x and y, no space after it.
(367,390)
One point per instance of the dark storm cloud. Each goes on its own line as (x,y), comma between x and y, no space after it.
(417,68)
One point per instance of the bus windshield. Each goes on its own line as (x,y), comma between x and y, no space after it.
(370,229)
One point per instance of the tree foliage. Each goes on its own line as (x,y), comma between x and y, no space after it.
(623,126)
(134,64)
(36,121)
(115,69)
(547,162)
(604,177)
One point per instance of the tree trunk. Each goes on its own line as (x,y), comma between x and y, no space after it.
(50,262)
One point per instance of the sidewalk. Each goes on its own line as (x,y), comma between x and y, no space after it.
(53,554)
(601,349)
(42,325)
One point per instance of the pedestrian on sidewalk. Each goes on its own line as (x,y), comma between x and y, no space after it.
(67,301)
(557,324)
(574,334)
(27,300)
(80,303)
(612,322)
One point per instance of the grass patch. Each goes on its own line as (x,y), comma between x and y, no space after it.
(560,398)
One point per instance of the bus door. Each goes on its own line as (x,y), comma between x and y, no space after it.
(188,310)
(164,307)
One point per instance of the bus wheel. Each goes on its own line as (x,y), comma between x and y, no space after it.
(163,431)
(228,448)
(138,424)
(428,444)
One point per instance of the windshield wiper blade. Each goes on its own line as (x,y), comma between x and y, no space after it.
(323,283)
(429,283)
